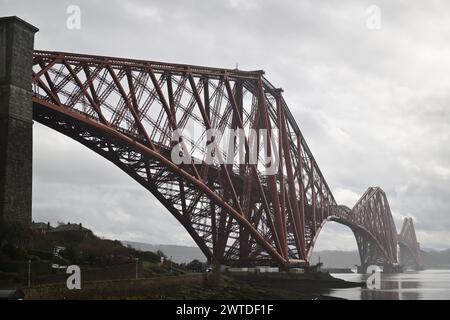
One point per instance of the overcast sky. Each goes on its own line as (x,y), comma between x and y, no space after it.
(370,95)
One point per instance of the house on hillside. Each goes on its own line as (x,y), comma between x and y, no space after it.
(72,228)
(41,227)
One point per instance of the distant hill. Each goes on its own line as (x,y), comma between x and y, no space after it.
(179,254)
(436,259)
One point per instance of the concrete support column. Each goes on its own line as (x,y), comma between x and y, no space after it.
(16,119)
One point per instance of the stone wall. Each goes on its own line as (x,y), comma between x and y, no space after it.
(149,288)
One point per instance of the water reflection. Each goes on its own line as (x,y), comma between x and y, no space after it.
(420,285)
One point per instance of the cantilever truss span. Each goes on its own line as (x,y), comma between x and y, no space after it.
(127,110)
(409,248)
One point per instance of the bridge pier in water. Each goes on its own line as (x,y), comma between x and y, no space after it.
(16,119)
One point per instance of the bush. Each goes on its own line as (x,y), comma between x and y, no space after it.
(15,253)
(70,253)
(196,266)
(21,267)
(41,254)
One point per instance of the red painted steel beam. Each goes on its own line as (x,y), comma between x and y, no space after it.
(174,168)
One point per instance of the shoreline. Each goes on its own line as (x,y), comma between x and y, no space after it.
(201,286)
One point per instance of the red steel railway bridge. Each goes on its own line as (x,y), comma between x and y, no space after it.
(126,111)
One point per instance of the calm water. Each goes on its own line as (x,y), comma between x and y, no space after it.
(414,285)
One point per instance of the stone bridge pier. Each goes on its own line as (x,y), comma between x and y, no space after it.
(16,119)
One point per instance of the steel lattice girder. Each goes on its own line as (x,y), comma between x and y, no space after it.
(126,110)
